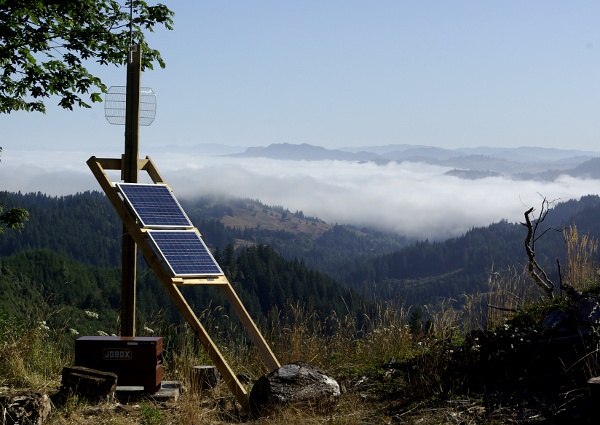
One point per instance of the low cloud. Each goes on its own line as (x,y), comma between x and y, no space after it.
(412,199)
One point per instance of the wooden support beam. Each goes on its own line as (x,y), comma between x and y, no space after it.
(170,283)
(148,166)
(263,348)
(108,163)
(145,164)
(208,281)
(235,386)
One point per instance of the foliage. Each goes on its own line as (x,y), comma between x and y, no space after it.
(34,356)
(150,414)
(11,328)
(532,314)
(47,285)
(13,218)
(45,47)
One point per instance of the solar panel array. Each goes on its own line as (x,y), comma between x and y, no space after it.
(185,253)
(171,231)
(155,205)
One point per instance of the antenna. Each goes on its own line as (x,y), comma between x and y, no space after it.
(115,105)
(115,100)
(131,106)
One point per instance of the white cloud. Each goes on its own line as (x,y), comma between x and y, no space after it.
(412,199)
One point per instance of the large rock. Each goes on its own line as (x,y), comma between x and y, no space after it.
(294,383)
(24,408)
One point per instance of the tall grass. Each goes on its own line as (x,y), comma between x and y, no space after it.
(31,354)
(509,291)
(345,346)
(582,257)
(339,343)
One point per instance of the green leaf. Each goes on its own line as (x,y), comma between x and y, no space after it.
(43,46)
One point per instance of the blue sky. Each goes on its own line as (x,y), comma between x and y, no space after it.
(354,73)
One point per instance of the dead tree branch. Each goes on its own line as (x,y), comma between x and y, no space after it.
(535,270)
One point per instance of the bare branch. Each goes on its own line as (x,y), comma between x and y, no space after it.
(534,268)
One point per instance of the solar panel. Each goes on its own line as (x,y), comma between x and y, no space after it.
(185,253)
(155,206)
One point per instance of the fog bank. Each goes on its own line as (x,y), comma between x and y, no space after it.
(412,199)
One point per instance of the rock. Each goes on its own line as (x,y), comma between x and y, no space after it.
(294,383)
(93,385)
(588,310)
(558,321)
(29,408)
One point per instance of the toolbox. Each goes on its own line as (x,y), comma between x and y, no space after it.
(137,361)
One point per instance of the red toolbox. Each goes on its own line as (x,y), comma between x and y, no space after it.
(137,361)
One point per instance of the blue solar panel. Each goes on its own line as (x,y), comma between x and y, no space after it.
(155,206)
(185,253)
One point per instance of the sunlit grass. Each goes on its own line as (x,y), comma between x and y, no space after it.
(401,366)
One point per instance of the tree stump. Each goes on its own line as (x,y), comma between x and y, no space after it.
(205,377)
(93,385)
(594,389)
(298,383)
(24,408)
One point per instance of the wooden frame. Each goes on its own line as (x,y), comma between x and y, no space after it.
(170,283)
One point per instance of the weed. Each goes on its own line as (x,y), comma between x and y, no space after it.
(71,405)
(150,414)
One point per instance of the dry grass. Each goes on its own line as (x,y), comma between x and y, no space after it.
(34,357)
(582,252)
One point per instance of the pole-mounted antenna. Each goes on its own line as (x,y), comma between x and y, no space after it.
(115,100)
(115,105)
(123,106)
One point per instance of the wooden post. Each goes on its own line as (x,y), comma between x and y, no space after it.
(130,175)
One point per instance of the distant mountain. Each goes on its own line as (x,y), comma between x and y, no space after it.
(382,149)
(521,154)
(304,152)
(422,154)
(472,174)
(516,163)
(589,169)
(528,154)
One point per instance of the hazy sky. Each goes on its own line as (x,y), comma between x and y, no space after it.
(351,73)
(341,73)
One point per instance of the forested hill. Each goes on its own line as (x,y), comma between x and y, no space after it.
(68,294)
(66,262)
(84,228)
(426,273)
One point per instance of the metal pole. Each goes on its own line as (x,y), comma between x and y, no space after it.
(130,175)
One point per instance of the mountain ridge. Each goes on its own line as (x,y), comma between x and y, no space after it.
(516,163)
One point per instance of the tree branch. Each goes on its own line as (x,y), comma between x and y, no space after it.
(534,268)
